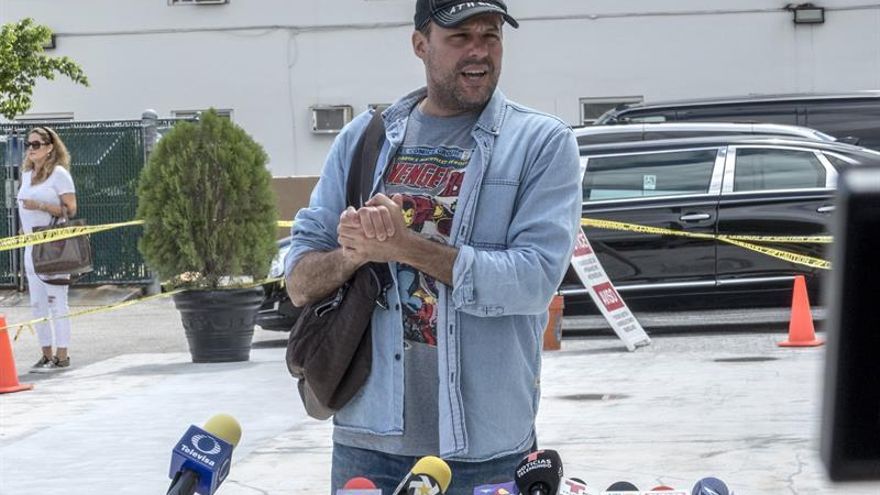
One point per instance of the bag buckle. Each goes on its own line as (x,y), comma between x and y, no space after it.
(331,303)
(382,298)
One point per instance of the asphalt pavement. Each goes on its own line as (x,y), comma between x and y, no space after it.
(731,405)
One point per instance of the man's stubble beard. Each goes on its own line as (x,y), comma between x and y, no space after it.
(449,95)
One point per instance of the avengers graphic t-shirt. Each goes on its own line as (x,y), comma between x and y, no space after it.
(428,171)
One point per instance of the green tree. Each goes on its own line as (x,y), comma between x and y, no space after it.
(22,62)
(206,199)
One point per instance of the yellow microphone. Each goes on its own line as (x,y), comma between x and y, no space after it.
(429,476)
(225,427)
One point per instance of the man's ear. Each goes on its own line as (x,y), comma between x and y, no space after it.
(419,44)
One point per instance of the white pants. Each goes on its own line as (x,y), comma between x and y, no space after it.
(47,300)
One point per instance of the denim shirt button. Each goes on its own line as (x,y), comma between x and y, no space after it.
(397,356)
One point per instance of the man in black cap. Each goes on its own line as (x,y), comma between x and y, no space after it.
(492,194)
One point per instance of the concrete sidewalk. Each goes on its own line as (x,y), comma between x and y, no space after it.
(734,406)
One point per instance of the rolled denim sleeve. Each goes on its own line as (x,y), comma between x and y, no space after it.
(522,278)
(314,227)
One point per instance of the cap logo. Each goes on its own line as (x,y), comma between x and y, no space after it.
(469,5)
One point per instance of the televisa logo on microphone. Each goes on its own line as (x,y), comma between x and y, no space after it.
(200,446)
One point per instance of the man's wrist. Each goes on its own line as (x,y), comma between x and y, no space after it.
(403,250)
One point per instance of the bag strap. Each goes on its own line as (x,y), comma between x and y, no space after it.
(60,221)
(363,162)
(359,184)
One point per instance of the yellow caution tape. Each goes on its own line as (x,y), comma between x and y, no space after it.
(645,229)
(807,239)
(44,236)
(29,324)
(102,309)
(800,259)
(632,227)
(736,240)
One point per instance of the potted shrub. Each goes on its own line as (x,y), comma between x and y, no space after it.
(209,227)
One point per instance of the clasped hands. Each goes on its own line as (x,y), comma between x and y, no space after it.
(375,232)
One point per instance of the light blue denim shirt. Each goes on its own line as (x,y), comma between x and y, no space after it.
(518,212)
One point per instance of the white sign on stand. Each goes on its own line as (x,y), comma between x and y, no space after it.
(609,302)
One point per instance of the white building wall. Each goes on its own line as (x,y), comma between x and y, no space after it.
(270,60)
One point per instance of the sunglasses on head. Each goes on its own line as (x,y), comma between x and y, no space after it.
(34,144)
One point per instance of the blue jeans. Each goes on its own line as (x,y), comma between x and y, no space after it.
(387,470)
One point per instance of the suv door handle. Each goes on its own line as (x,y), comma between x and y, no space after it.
(691,217)
(825,209)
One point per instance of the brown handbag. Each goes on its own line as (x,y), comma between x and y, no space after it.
(71,256)
(330,347)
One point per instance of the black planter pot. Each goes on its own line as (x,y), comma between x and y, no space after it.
(219,323)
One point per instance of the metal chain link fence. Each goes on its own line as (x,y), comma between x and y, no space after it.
(106,161)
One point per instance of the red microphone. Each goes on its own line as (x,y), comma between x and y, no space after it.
(359,486)
(359,483)
(664,490)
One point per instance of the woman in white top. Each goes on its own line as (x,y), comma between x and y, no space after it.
(46,189)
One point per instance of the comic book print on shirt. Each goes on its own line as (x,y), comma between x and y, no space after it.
(429,179)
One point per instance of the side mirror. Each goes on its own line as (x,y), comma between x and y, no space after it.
(849,140)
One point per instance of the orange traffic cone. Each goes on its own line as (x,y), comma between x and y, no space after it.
(553,331)
(8,376)
(800,328)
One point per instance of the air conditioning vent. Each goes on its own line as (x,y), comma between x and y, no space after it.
(330,119)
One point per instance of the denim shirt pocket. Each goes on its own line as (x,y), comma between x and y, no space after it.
(494,213)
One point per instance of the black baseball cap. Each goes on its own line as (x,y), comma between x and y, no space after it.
(451,13)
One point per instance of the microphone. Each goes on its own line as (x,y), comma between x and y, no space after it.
(664,490)
(200,461)
(429,476)
(539,473)
(507,488)
(710,486)
(359,486)
(621,488)
(573,486)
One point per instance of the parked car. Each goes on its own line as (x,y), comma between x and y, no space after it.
(602,134)
(853,118)
(747,185)
(277,311)
(735,185)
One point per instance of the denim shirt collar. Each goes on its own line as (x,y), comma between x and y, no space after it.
(397,114)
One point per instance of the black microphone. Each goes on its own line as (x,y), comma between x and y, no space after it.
(429,476)
(539,473)
(710,486)
(621,488)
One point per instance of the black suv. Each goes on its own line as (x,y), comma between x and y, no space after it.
(739,185)
(734,185)
(850,117)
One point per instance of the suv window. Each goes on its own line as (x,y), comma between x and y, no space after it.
(859,120)
(624,136)
(664,173)
(839,163)
(775,113)
(761,169)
